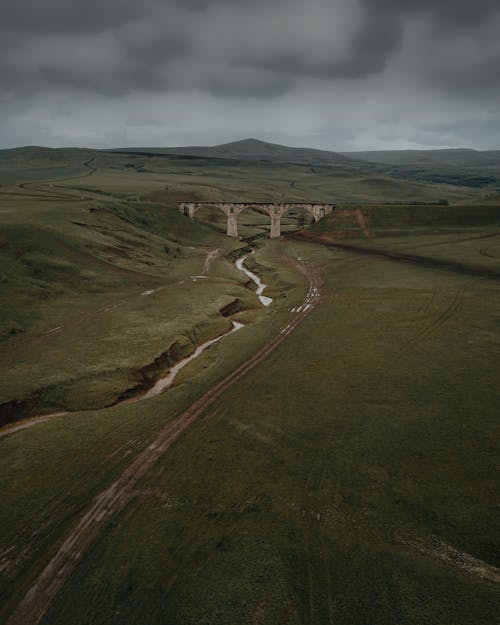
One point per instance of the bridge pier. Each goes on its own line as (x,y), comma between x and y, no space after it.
(188,208)
(231,211)
(318,211)
(275,211)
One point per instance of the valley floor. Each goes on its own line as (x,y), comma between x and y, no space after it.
(331,462)
(347,478)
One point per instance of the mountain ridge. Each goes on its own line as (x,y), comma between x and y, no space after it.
(252,149)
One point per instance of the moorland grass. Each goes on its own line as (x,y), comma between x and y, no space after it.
(301,495)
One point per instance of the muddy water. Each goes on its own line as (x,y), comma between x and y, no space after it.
(167,379)
(260,285)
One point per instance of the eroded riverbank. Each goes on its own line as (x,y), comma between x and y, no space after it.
(166,380)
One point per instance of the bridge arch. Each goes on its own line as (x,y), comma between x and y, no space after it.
(274,210)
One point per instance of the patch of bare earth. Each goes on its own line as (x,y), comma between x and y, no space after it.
(436,548)
(212,255)
(260,612)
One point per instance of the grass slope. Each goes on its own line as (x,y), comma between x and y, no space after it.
(451,157)
(332,483)
(329,483)
(255,150)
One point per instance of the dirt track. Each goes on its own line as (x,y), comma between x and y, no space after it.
(114,498)
(423,261)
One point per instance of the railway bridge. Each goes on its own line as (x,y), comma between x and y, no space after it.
(274,210)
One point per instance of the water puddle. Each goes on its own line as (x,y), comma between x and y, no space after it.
(260,285)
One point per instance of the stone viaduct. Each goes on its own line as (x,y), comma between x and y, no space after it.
(275,211)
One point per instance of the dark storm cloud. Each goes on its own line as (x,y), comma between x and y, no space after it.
(167,45)
(260,89)
(108,84)
(366,53)
(249,51)
(473,77)
(155,50)
(68,17)
(448,12)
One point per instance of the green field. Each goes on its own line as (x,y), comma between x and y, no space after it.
(348,478)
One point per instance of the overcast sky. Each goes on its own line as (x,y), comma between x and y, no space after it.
(331,74)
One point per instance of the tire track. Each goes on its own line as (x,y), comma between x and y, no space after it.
(486,251)
(35,185)
(122,490)
(448,241)
(422,261)
(320,592)
(450,311)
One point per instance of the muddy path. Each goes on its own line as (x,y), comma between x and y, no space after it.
(212,255)
(52,190)
(422,261)
(122,490)
(22,424)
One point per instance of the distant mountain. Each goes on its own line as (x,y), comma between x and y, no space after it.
(255,150)
(453,157)
(457,167)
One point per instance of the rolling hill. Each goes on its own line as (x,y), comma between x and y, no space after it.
(255,150)
(455,157)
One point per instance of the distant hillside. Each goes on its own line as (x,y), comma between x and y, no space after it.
(456,167)
(255,150)
(456,157)
(43,157)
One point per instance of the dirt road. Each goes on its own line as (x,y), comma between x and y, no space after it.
(423,261)
(114,498)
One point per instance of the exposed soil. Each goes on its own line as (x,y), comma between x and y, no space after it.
(232,308)
(436,548)
(212,255)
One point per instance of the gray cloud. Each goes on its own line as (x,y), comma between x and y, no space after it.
(151,36)
(69,16)
(447,12)
(286,51)
(115,83)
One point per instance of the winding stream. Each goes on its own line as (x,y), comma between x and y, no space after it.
(165,381)
(260,285)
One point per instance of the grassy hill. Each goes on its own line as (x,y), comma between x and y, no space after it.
(347,478)
(452,157)
(83,229)
(255,150)
(460,167)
